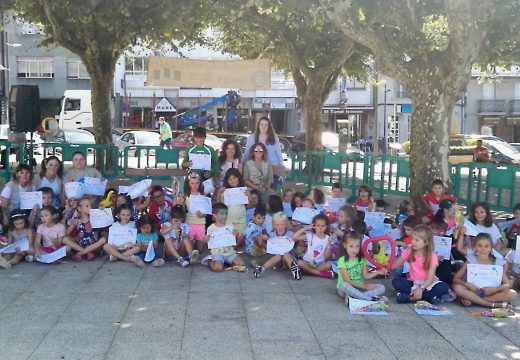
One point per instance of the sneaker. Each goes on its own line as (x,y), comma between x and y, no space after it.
(435,300)
(206,260)
(76,257)
(380,298)
(90,256)
(296,272)
(182,262)
(4,263)
(138,261)
(346,300)
(327,274)
(158,262)
(112,258)
(259,270)
(403,298)
(449,297)
(195,256)
(29,258)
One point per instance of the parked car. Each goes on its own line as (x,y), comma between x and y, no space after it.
(285,145)
(116,134)
(515,146)
(70,136)
(329,141)
(482,137)
(186,140)
(502,153)
(139,138)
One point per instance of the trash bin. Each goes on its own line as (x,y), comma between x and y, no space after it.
(343,140)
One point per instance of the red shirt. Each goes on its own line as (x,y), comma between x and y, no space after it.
(433,203)
(160,215)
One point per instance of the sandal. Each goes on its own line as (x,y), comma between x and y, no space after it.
(465,302)
(502,305)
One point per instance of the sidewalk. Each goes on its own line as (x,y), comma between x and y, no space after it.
(102,310)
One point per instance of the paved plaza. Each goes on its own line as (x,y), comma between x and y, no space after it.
(103,310)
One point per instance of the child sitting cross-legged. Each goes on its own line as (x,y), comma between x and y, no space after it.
(146,235)
(177,243)
(221,256)
(254,233)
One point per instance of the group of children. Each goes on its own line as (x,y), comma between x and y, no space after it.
(331,246)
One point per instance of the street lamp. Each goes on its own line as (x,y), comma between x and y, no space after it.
(385,125)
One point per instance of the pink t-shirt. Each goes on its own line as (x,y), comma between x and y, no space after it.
(417,271)
(48,233)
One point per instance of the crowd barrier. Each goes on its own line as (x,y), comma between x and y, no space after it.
(386,175)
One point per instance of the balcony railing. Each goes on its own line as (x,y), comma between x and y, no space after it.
(514,106)
(492,106)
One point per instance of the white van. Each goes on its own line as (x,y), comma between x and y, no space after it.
(76,109)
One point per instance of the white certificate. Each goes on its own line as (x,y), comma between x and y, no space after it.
(94,186)
(123,189)
(22,245)
(221,237)
(357,307)
(374,218)
(150,252)
(471,229)
(30,198)
(236,196)
(200,203)
(334,204)
(101,218)
(118,236)
(200,161)
(53,256)
(208,186)
(485,275)
(505,226)
(74,190)
(139,189)
(442,246)
(279,245)
(304,215)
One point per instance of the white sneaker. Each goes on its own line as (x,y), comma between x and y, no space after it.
(4,263)
(182,262)
(206,261)
(29,258)
(195,256)
(158,262)
(138,261)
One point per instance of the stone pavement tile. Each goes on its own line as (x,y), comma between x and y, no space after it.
(118,276)
(509,328)
(75,340)
(167,277)
(215,307)
(396,334)
(72,268)
(287,350)
(144,350)
(6,298)
(344,339)
(18,281)
(325,306)
(53,282)
(268,301)
(95,307)
(461,332)
(226,339)
(270,282)
(18,341)
(310,283)
(204,280)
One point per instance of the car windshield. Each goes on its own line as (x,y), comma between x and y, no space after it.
(184,138)
(504,148)
(80,137)
(147,138)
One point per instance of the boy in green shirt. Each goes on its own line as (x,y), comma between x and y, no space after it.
(199,148)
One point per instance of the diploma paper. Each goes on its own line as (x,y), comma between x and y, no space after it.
(23,245)
(471,229)
(74,190)
(120,236)
(208,186)
(485,275)
(357,307)
(334,204)
(442,246)
(304,215)
(123,189)
(150,252)
(139,189)
(53,256)
(236,196)
(200,203)
(279,245)
(29,199)
(221,237)
(101,218)
(200,161)
(94,186)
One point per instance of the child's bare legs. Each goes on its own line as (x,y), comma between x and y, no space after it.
(201,246)
(171,251)
(15,258)
(269,264)
(83,251)
(259,242)
(309,270)
(505,295)
(125,256)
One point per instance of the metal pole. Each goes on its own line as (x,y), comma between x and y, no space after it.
(384,123)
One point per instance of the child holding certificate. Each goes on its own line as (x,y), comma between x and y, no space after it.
(222,250)
(50,233)
(81,238)
(236,212)
(472,292)
(200,152)
(195,219)
(20,232)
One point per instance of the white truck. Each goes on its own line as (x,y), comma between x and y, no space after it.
(76,109)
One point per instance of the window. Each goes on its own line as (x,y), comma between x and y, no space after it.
(136,65)
(72,104)
(401,92)
(35,67)
(76,70)
(354,84)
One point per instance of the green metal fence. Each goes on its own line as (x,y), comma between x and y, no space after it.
(152,162)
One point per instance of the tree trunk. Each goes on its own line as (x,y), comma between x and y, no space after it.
(429,142)
(312,106)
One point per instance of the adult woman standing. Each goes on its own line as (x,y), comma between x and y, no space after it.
(22,182)
(230,157)
(80,170)
(265,134)
(51,176)
(258,173)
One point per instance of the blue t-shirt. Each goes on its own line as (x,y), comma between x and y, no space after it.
(144,240)
(251,232)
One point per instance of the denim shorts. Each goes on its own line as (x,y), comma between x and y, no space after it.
(224,259)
